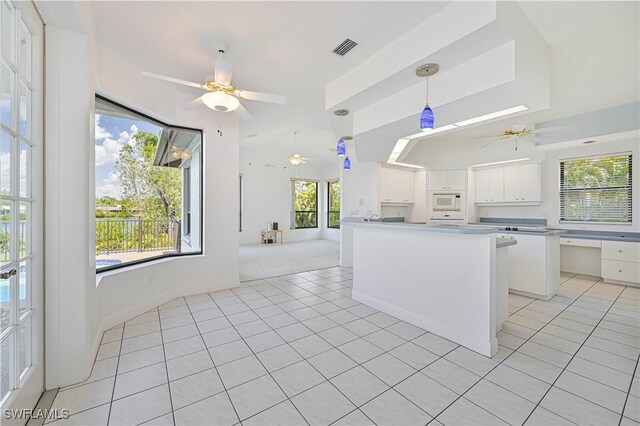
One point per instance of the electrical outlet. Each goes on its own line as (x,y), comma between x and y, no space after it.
(361,202)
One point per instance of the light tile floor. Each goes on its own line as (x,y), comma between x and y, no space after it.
(297,349)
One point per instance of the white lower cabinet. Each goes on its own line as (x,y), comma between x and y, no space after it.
(621,262)
(534,265)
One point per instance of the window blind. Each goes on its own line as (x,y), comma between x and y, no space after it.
(596,189)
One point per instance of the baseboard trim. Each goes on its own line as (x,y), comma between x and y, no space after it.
(486,348)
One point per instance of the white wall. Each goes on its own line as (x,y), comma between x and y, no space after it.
(77,310)
(360,189)
(266,196)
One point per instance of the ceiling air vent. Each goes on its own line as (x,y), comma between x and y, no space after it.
(344,47)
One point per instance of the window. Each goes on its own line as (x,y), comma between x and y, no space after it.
(333,204)
(596,189)
(147,187)
(186,201)
(305,204)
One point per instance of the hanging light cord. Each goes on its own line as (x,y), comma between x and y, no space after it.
(427,79)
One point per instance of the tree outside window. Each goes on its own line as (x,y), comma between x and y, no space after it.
(333,204)
(305,204)
(596,189)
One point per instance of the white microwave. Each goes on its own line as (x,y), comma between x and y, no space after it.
(447,202)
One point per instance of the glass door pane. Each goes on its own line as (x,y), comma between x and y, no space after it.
(21,102)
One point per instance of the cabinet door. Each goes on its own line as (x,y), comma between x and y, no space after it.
(395,185)
(457,179)
(437,180)
(512,183)
(483,186)
(383,185)
(409,186)
(496,185)
(529,182)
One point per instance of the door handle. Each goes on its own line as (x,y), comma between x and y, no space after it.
(6,275)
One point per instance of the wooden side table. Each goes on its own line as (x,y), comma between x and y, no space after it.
(267,233)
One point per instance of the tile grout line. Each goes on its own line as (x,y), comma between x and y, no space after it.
(166,370)
(335,347)
(624,406)
(261,363)
(212,362)
(115,377)
(574,355)
(357,364)
(271,302)
(502,361)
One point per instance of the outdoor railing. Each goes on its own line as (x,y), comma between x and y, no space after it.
(117,235)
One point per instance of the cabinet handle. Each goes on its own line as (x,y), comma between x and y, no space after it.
(568,241)
(619,251)
(619,270)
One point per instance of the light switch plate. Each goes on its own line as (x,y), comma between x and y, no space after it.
(361,202)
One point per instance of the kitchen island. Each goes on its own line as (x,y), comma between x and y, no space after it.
(450,281)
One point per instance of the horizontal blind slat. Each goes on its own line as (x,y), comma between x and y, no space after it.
(596,189)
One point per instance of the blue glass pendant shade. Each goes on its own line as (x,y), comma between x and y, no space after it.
(347,163)
(426,119)
(341,149)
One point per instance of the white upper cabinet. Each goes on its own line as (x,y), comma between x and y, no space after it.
(530,182)
(511,184)
(447,180)
(395,186)
(489,186)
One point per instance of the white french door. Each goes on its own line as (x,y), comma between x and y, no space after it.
(21,207)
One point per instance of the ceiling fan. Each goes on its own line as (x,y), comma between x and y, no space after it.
(295,158)
(221,94)
(518,132)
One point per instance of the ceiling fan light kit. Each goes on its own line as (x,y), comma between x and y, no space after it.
(221,94)
(220,101)
(427,118)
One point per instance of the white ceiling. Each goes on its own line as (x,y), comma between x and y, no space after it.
(285,48)
(277,47)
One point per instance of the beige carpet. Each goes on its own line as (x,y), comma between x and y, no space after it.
(263,261)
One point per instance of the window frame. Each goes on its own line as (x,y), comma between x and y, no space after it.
(293,204)
(562,190)
(201,164)
(329,211)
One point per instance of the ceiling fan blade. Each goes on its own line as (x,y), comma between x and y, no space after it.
(191,104)
(223,71)
(173,80)
(491,143)
(243,113)
(264,97)
(487,136)
(550,129)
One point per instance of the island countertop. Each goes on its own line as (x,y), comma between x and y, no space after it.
(454,229)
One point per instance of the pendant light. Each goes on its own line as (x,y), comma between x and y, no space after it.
(347,163)
(427,118)
(341,147)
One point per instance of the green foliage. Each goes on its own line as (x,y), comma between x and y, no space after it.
(306,204)
(334,204)
(4,245)
(612,171)
(148,190)
(596,189)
